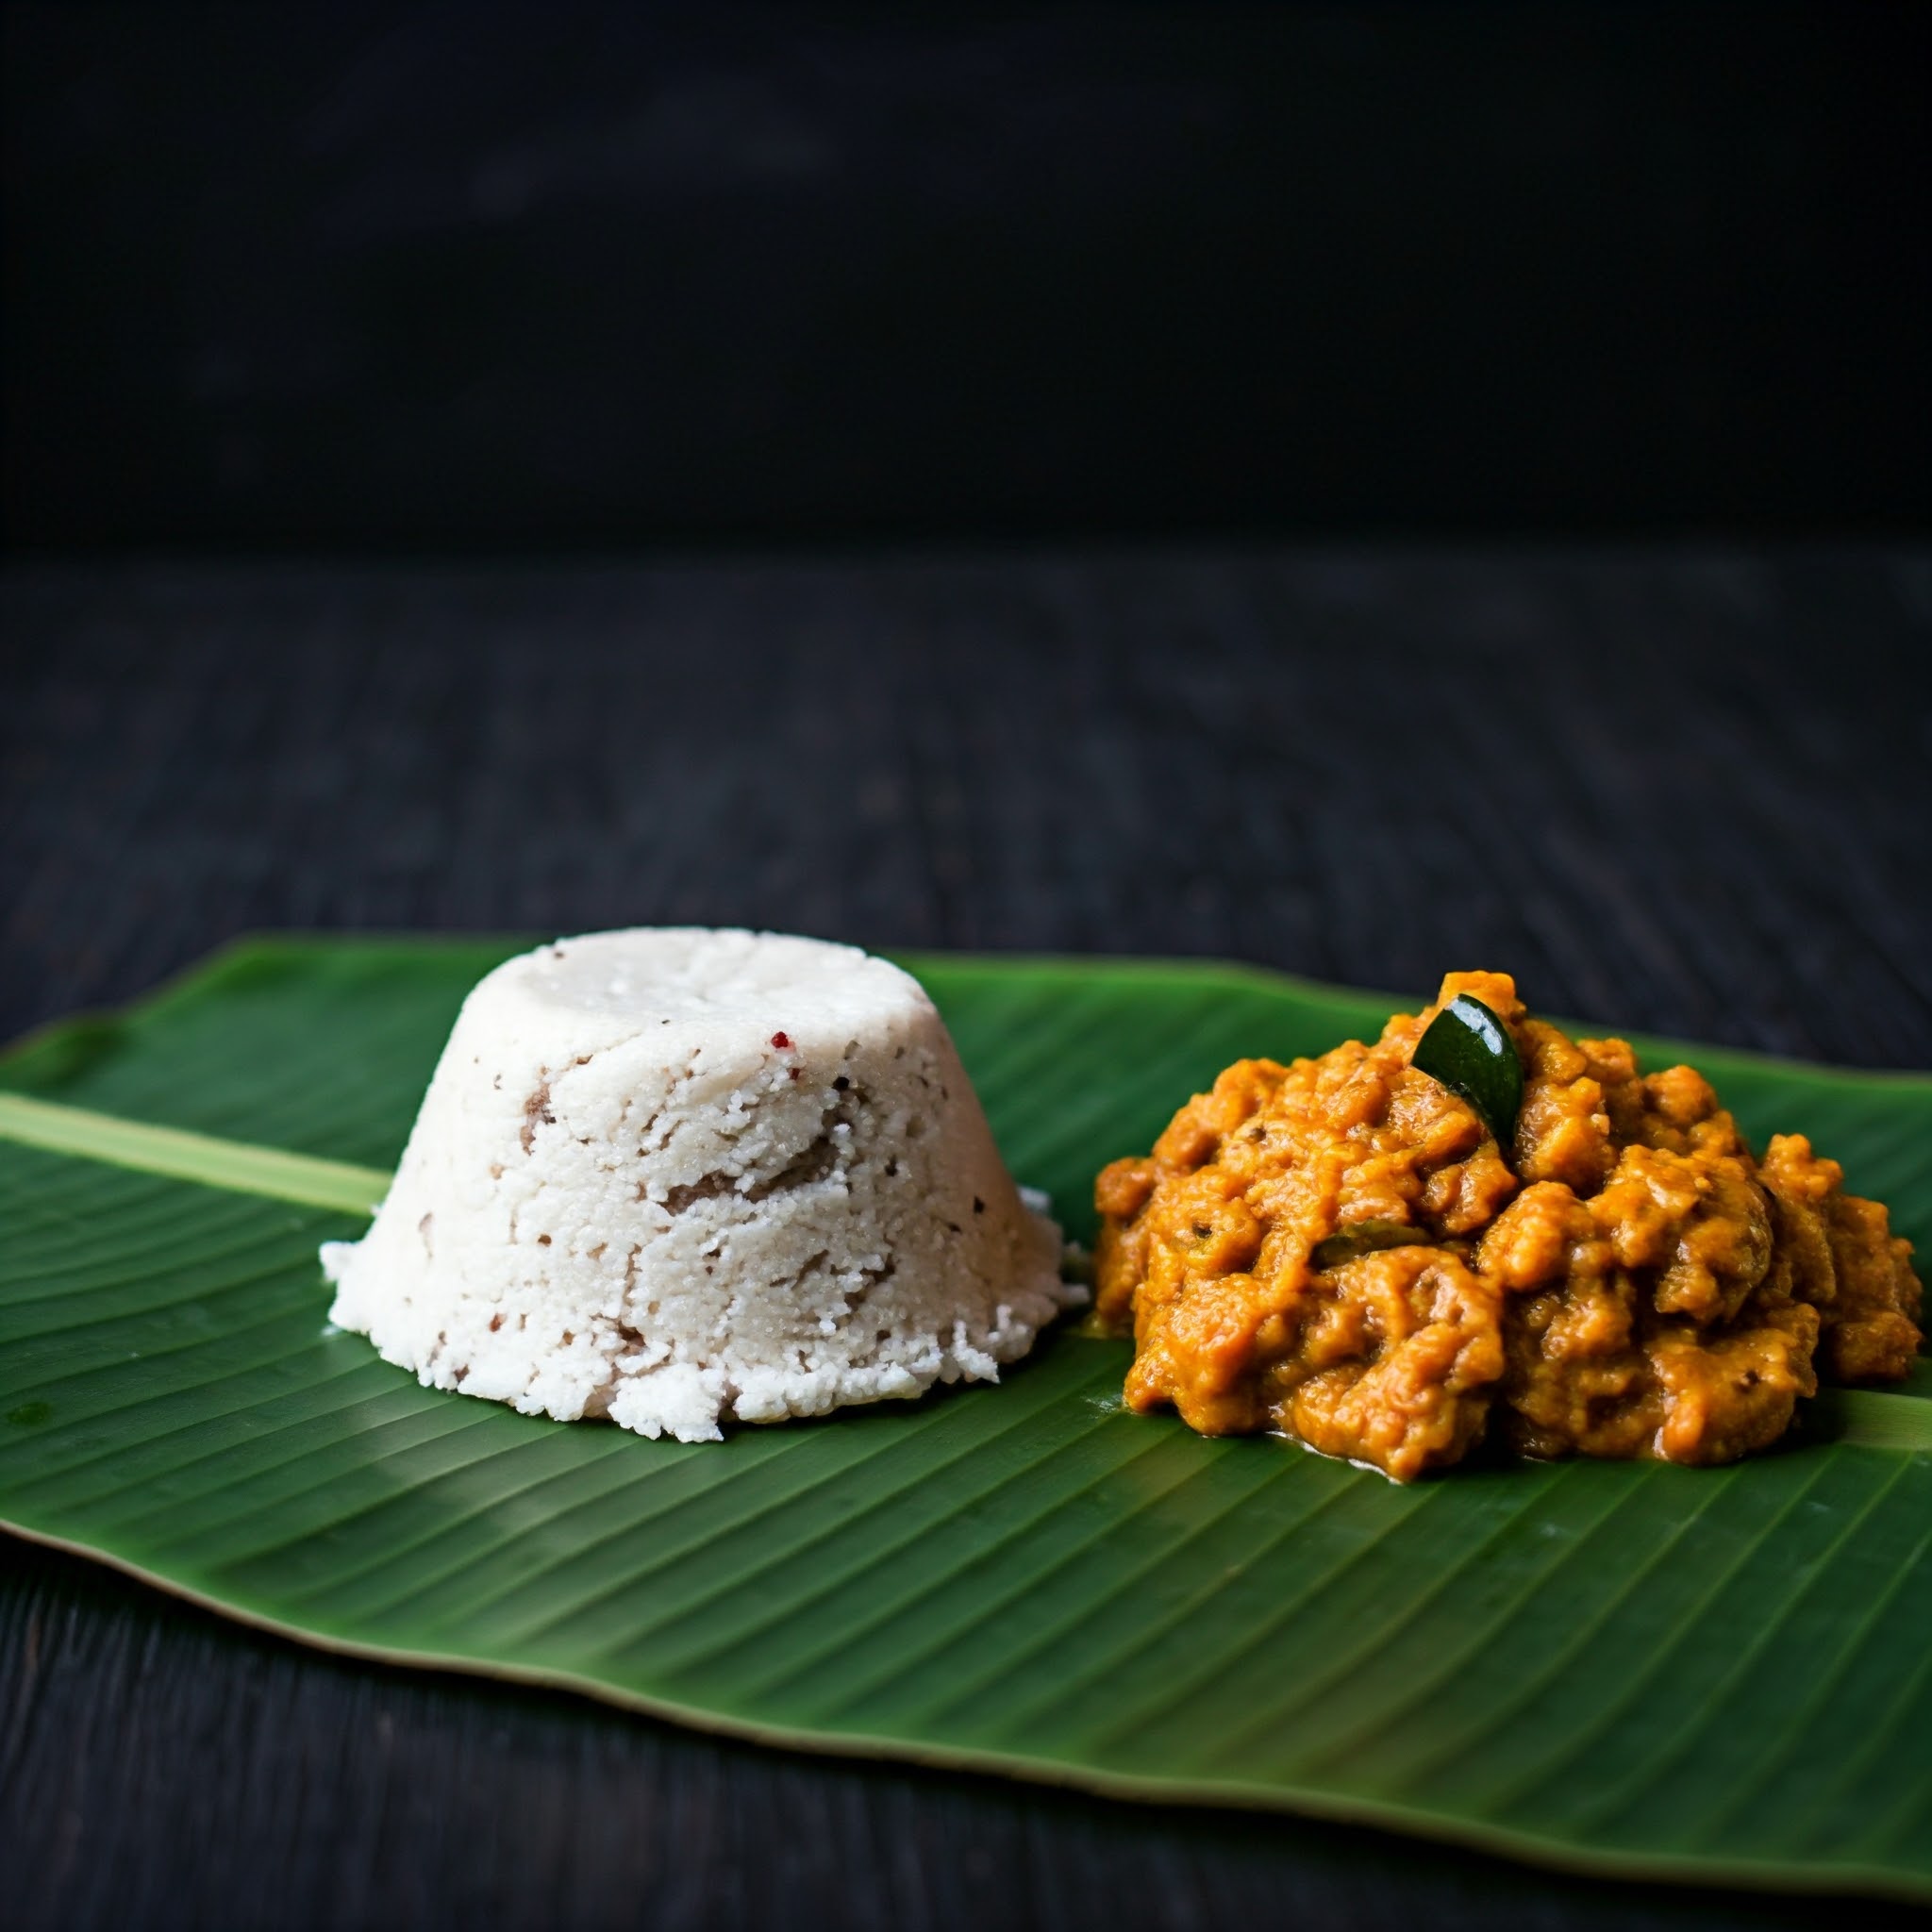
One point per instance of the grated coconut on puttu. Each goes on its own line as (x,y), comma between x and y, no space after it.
(679,1176)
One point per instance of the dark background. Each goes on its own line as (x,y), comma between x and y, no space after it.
(470,277)
(1361,489)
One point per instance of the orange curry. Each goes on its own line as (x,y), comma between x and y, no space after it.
(1623,1279)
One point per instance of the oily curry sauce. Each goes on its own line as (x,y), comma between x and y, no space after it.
(1623,1280)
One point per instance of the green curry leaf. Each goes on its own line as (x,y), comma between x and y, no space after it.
(1468,1048)
(1358,1237)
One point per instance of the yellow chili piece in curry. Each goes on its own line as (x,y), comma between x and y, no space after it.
(1625,1280)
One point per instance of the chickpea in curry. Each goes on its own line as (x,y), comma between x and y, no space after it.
(1338,1249)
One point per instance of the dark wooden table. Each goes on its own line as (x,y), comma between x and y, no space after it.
(1686,791)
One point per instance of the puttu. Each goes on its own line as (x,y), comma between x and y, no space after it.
(679,1176)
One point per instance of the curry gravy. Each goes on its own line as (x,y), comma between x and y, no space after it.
(1625,1280)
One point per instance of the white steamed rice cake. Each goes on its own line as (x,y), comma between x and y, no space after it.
(675,1176)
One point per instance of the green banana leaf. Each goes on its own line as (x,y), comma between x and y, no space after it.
(1720,1675)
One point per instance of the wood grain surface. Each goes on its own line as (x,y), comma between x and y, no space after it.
(1685,790)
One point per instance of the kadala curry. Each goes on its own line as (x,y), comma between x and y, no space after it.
(1477,1225)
